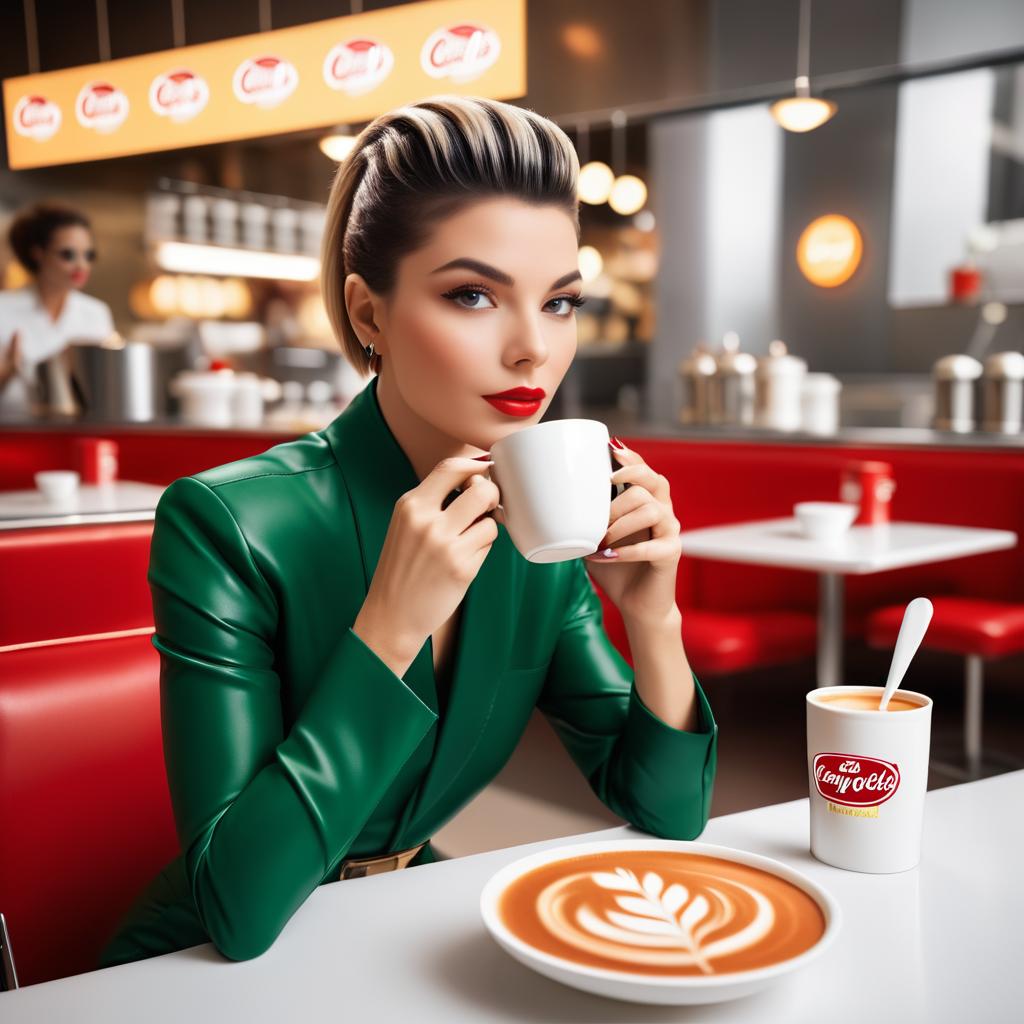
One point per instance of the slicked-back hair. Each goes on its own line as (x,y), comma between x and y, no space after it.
(414,166)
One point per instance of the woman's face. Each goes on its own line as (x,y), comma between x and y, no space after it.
(67,260)
(485,306)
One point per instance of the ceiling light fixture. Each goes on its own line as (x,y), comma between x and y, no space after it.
(596,177)
(629,193)
(803,112)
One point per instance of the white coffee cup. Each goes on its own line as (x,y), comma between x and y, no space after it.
(57,485)
(868,775)
(555,483)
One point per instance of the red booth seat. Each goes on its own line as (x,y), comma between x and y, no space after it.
(84,807)
(960,625)
(73,580)
(718,643)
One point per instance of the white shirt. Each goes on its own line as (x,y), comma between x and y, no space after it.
(83,317)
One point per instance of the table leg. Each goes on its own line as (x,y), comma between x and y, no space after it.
(830,629)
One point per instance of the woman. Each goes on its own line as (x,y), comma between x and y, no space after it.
(312,603)
(55,245)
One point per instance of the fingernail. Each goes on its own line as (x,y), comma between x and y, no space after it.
(607,553)
(482,458)
(616,443)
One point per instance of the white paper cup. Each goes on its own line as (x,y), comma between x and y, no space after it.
(868,775)
(555,483)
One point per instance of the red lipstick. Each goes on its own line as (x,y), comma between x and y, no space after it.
(521,402)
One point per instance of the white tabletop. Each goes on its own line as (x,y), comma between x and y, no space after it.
(122,501)
(863,549)
(938,943)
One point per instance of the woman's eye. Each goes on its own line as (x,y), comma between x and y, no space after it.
(472,295)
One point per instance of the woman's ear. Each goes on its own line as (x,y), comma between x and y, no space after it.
(362,306)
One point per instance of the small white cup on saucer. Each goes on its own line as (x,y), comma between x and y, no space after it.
(825,520)
(57,485)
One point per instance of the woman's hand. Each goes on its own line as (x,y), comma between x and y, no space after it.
(644,533)
(432,551)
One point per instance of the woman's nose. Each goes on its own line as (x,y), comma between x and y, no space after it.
(529,342)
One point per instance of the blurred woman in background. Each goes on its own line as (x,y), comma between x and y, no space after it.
(55,245)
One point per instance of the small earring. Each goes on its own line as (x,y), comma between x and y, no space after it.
(368,349)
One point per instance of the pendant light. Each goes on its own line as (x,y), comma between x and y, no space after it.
(596,177)
(338,144)
(803,112)
(629,193)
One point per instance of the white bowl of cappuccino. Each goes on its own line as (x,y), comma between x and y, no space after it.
(825,520)
(658,920)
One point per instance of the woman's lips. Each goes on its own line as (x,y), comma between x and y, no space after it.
(515,406)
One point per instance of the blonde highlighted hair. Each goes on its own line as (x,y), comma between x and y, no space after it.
(419,163)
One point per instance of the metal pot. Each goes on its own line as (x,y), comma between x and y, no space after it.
(732,390)
(115,379)
(696,374)
(1002,399)
(954,392)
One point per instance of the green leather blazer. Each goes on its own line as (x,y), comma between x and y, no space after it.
(290,745)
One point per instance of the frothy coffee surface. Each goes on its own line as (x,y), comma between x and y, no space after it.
(658,912)
(867,702)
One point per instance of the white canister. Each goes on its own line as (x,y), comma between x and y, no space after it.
(779,382)
(247,400)
(819,397)
(206,396)
(867,774)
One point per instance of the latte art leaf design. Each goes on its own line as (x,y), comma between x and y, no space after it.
(656,911)
(675,914)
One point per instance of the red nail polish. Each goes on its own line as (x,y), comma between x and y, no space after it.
(617,443)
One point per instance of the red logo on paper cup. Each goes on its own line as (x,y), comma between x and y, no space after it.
(265,81)
(101,106)
(179,95)
(358,65)
(36,117)
(855,781)
(461,52)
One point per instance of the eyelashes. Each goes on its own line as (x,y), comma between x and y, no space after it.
(575,301)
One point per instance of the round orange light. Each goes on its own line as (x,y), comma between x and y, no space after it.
(829,250)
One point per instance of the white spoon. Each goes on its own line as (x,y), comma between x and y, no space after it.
(912,630)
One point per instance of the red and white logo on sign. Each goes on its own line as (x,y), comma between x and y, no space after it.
(265,81)
(36,117)
(179,95)
(101,106)
(855,781)
(358,65)
(461,53)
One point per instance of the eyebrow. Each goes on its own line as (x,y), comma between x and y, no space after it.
(499,275)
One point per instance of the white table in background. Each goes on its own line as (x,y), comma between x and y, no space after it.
(123,501)
(862,550)
(935,944)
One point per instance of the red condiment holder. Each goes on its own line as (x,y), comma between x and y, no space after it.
(870,485)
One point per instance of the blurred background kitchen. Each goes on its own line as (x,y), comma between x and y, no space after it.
(803,253)
(714,240)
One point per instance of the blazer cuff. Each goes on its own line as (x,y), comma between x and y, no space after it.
(672,770)
(648,722)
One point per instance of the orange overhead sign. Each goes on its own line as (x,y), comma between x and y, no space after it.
(343,70)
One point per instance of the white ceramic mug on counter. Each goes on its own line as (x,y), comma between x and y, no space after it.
(868,774)
(554,479)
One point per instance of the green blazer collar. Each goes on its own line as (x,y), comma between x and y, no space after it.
(377,472)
